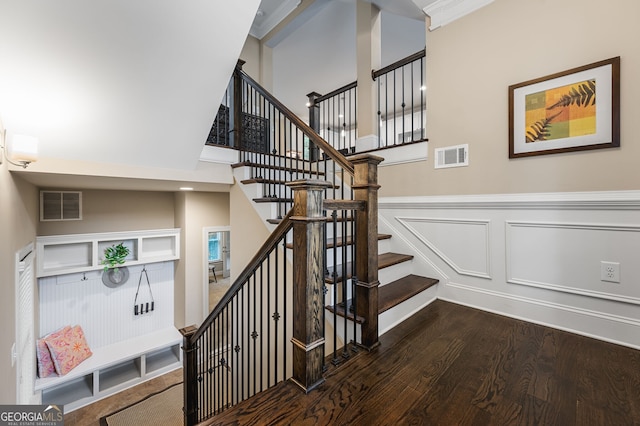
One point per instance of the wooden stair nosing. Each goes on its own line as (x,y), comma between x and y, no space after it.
(281,168)
(339,311)
(274,182)
(328,219)
(273,200)
(396,292)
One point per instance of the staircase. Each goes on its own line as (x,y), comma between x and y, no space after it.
(318,284)
(399,282)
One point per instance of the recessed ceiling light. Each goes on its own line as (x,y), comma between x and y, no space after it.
(186,188)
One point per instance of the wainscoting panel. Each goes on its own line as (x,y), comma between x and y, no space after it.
(535,257)
(566,257)
(107,314)
(444,238)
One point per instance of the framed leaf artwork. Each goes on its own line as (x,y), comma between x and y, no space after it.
(573,110)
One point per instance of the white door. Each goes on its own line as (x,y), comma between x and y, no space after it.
(25,352)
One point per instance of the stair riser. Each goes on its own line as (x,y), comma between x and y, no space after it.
(336,296)
(395,272)
(394,316)
(339,326)
(338,256)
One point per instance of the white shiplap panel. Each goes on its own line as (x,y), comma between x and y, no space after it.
(106,314)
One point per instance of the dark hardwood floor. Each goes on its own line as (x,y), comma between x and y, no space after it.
(453,365)
(447,365)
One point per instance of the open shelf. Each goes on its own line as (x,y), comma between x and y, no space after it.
(75,390)
(118,374)
(162,358)
(67,254)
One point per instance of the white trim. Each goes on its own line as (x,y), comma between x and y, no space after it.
(205,263)
(550,305)
(416,252)
(216,154)
(443,12)
(509,225)
(401,154)
(404,221)
(605,200)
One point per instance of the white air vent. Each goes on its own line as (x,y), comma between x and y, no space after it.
(60,205)
(452,156)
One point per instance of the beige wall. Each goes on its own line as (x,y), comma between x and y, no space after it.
(251,55)
(248,230)
(195,211)
(470,64)
(111,211)
(18,228)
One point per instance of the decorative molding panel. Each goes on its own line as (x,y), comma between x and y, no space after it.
(597,315)
(566,257)
(444,237)
(610,200)
(443,12)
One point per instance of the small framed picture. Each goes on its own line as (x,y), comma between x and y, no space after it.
(573,110)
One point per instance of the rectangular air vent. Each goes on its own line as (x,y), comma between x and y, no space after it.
(60,205)
(452,156)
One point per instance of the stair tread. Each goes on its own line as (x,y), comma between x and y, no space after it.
(273,200)
(384,261)
(273,181)
(328,219)
(273,167)
(396,292)
(390,295)
(389,259)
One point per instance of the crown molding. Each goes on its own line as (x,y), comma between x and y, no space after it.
(443,12)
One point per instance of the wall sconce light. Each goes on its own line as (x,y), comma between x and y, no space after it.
(22,151)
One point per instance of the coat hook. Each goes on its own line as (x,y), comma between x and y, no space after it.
(84,277)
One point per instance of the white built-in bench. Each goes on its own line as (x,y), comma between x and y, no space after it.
(69,272)
(114,368)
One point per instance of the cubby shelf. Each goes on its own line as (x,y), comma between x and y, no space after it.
(113,368)
(67,254)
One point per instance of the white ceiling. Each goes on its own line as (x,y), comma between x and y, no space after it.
(137,83)
(118,81)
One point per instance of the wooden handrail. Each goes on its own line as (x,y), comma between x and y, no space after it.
(402,62)
(313,136)
(336,92)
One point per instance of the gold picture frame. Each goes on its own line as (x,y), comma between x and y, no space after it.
(573,110)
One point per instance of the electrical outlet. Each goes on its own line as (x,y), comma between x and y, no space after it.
(610,272)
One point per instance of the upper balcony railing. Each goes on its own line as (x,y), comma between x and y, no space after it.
(401,107)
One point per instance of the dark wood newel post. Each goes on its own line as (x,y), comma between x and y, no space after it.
(189,376)
(365,189)
(308,282)
(236,110)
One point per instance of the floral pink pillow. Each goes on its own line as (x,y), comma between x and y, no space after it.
(68,349)
(45,363)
